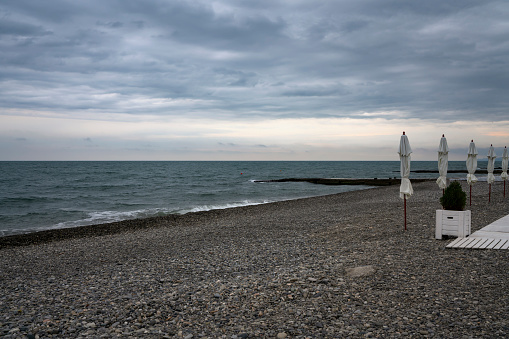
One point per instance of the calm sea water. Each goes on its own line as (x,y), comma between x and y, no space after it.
(44,195)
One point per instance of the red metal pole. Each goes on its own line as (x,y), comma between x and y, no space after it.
(404,197)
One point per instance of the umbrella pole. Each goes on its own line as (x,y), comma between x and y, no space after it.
(489,195)
(470,195)
(504,188)
(404,198)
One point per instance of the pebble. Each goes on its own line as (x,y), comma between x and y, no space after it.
(324,267)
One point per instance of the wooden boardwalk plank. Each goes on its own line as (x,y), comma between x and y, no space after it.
(474,241)
(487,234)
(462,241)
(455,242)
(493,244)
(500,244)
(483,244)
(480,242)
(490,244)
(505,246)
(466,243)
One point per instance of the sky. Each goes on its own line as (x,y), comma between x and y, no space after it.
(251,80)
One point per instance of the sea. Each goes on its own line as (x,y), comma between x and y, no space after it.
(43,195)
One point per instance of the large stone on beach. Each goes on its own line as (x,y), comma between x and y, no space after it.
(360,271)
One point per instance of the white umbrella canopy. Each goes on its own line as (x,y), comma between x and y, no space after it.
(505,162)
(405,190)
(443,162)
(491,167)
(491,164)
(471,163)
(471,167)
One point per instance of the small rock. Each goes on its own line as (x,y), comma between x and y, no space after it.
(360,271)
(281,335)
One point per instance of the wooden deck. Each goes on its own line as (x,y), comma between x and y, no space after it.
(494,236)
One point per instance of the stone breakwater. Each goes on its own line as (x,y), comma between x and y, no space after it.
(347,181)
(326,267)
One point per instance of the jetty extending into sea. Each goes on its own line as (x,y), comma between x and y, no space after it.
(346,181)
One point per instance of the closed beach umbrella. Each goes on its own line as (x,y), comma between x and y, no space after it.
(471,166)
(491,167)
(505,162)
(443,161)
(405,190)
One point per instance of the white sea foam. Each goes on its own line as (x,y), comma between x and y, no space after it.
(224,206)
(102,217)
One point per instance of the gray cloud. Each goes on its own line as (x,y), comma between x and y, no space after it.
(13,29)
(115,24)
(237,59)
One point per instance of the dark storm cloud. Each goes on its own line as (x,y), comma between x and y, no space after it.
(234,59)
(14,28)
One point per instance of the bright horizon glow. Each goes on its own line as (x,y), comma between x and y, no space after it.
(230,80)
(163,138)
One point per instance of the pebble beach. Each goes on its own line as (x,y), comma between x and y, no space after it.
(336,266)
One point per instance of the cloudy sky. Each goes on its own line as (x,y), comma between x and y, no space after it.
(251,80)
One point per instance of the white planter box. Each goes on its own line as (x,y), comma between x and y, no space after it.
(453,223)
